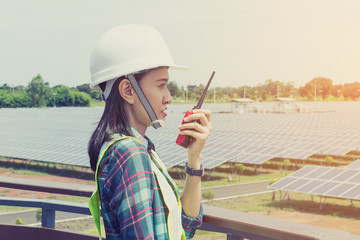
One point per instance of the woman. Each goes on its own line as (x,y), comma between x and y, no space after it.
(139,200)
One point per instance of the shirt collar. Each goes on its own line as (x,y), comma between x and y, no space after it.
(145,141)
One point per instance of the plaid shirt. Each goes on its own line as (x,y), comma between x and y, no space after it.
(131,201)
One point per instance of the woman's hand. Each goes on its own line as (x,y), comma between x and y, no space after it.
(197,126)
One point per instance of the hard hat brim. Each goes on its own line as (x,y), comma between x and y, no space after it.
(109,75)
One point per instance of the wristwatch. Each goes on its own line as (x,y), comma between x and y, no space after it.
(194,172)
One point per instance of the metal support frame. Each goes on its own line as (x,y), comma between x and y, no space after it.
(232,167)
(282,198)
(210,173)
(322,202)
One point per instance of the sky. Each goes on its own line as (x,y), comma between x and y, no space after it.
(245,41)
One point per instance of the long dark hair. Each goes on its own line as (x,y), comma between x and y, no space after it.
(113,120)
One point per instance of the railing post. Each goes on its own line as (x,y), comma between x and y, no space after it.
(48,218)
(232,237)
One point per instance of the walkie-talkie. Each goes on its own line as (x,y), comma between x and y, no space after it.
(184,140)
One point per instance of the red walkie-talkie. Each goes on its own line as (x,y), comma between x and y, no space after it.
(184,140)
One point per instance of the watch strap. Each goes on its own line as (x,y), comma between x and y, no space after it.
(194,172)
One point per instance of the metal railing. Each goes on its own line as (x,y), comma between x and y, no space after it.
(236,225)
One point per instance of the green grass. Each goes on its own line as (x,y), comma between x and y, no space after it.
(96,103)
(26,172)
(72,199)
(205,235)
(5,209)
(93,231)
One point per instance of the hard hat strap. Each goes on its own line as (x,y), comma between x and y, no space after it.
(150,111)
(108,88)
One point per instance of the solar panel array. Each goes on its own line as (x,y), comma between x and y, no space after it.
(354,165)
(256,138)
(57,135)
(60,135)
(323,181)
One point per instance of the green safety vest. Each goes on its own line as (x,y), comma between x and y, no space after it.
(172,201)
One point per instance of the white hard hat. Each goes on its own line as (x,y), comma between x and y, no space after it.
(128,49)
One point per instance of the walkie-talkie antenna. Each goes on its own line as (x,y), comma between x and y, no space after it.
(184,140)
(201,100)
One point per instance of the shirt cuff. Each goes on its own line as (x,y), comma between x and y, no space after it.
(191,224)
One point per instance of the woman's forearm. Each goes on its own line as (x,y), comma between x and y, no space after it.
(191,196)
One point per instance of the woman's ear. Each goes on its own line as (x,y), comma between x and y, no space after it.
(126,91)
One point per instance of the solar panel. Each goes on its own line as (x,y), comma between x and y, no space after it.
(323,188)
(355,178)
(316,172)
(346,174)
(283,183)
(354,165)
(303,171)
(353,193)
(324,181)
(340,189)
(297,184)
(331,173)
(308,187)
(61,134)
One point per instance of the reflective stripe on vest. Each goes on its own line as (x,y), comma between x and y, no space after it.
(171,200)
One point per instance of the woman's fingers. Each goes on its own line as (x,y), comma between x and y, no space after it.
(198,127)
(201,115)
(197,124)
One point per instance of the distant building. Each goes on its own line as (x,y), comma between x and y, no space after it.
(284,105)
(241,105)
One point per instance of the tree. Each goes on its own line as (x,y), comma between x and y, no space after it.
(329,160)
(19,88)
(208,195)
(20,100)
(239,169)
(5,87)
(84,88)
(96,94)
(351,91)
(81,99)
(321,85)
(5,99)
(174,89)
(19,221)
(38,215)
(271,87)
(64,96)
(37,91)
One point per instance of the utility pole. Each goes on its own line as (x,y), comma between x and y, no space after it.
(315,92)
